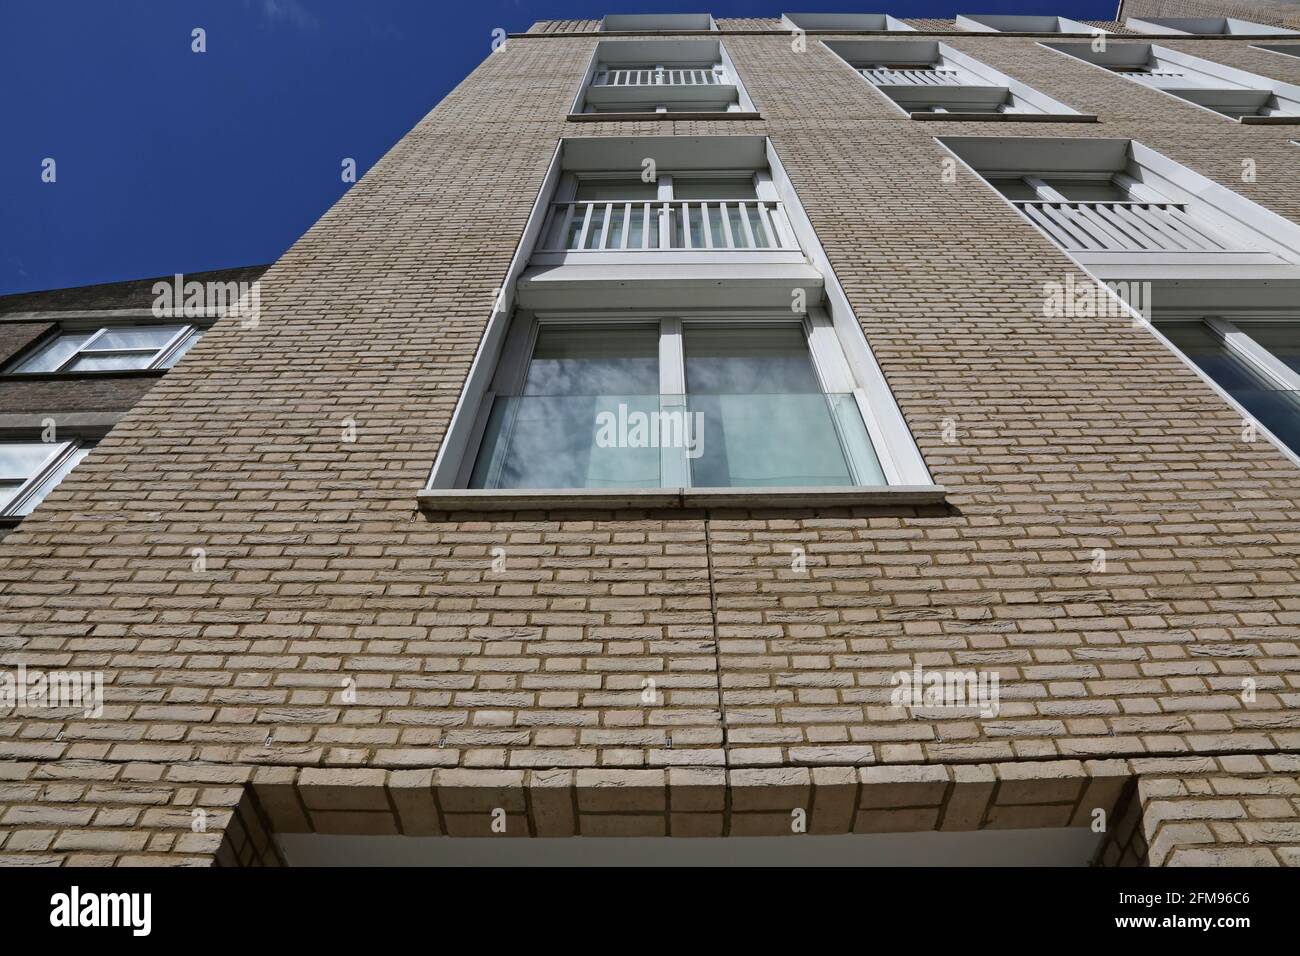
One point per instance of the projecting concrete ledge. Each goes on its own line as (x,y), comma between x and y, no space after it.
(1005,117)
(474,499)
(633,117)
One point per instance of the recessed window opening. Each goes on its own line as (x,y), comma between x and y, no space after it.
(674,402)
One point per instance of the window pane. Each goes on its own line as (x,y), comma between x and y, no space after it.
(1280,338)
(1277,409)
(185,346)
(56,353)
(141,337)
(604,190)
(767,440)
(8,491)
(594,361)
(1207,350)
(19,461)
(569,441)
(741,359)
(1088,190)
(729,188)
(52,481)
(765,419)
(1014,189)
(111,362)
(587,392)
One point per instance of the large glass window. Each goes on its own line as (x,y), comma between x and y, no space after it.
(670,404)
(767,420)
(1058,189)
(1089,190)
(29,470)
(1281,339)
(1254,362)
(112,349)
(547,436)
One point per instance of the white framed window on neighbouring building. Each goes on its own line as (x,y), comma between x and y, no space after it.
(111,349)
(29,470)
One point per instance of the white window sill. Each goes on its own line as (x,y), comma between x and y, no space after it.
(634,117)
(475,499)
(1005,117)
(1271,120)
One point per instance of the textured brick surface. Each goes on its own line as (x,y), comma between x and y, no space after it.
(339,632)
(1279,13)
(25,319)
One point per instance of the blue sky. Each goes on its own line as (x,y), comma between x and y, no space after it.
(166,160)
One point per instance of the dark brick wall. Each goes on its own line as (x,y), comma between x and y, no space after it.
(88,392)
(132,294)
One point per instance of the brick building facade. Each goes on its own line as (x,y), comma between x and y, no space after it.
(82,405)
(294,643)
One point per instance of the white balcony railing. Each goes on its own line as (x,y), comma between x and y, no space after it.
(701,76)
(701,225)
(1160,78)
(1125,227)
(883,77)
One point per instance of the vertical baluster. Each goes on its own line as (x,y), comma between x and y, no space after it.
(762,231)
(686,225)
(728,241)
(645,226)
(744,224)
(563,238)
(586,224)
(604,226)
(705,225)
(627,221)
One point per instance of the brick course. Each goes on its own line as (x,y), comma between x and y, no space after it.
(522,688)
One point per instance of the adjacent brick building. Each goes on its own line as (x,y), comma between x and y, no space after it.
(55,402)
(301,633)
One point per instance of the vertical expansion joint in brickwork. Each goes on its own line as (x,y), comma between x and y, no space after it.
(717,640)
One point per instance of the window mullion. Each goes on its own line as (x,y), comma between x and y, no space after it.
(161,355)
(1045,192)
(674,469)
(71,359)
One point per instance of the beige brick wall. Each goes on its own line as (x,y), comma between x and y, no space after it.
(321,574)
(1280,13)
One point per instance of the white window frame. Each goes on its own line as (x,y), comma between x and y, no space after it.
(847,22)
(1268,244)
(658,23)
(1191,79)
(1018,99)
(1137,192)
(829,362)
(161,355)
(1165,26)
(60,452)
(900,458)
(1241,345)
(1281,49)
(1022,23)
(732,93)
